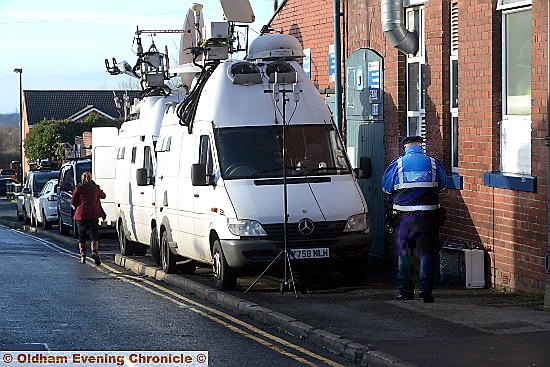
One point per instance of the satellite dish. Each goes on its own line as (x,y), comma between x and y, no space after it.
(238,11)
(189,40)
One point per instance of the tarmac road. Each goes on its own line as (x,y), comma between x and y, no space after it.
(48,298)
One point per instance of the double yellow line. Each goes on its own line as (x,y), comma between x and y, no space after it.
(230,322)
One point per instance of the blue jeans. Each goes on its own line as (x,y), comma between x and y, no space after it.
(416,233)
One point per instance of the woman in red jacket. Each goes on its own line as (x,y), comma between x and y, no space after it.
(88,210)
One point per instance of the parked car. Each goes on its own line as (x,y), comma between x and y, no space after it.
(47,204)
(69,177)
(35,183)
(3,183)
(8,173)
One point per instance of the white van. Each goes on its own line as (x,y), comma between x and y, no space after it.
(219,183)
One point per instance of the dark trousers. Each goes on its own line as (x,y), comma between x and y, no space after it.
(416,234)
(86,227)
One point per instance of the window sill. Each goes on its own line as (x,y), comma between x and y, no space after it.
(454,181)
(504,181)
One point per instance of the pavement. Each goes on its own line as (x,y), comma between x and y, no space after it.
(464,327)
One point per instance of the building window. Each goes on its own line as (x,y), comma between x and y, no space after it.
(454,87)
(515,131)
(416,67)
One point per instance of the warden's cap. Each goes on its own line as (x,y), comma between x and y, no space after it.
(412,139)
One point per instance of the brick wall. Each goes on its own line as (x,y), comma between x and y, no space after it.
(312,25)
(509,224)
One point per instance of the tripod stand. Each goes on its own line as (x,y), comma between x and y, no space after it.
(287,281)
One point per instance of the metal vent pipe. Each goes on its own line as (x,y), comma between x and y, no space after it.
(393,26)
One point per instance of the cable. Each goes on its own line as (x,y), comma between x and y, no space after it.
(187,109)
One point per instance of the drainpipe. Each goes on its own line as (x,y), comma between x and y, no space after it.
(547,257)
(393,26)
(338,67)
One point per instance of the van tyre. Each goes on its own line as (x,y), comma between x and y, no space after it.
(25,218)
(19,215)
(155,247)
(167,258)
(224,276)
(126,247)
(45,223)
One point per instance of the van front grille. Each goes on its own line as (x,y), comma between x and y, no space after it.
(321,230)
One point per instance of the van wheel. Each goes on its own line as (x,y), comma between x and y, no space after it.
(45,223)
(154,244)
(224,276)
(355,273)
(167,258)
(62,228)
(126,248)
(19,215)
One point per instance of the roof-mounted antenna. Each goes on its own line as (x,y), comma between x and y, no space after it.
(196,8)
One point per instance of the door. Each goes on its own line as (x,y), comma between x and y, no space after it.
(365,132)
(144,196)
(204,198)
(66,186)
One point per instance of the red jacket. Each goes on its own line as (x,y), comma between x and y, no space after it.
(86,201)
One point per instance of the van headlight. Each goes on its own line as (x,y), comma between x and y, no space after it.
(245,228)
(357,223)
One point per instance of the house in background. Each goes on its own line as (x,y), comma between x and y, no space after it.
(74,105)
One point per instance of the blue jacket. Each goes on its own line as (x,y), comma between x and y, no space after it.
(414,181)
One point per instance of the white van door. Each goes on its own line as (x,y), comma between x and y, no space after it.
(144,196)
(204,198)
(186,224)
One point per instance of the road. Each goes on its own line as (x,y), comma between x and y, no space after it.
(48,298)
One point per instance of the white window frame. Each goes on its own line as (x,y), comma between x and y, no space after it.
(419,58)
(515,4)
(511,119)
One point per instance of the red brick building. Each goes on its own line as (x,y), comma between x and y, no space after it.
(476,89)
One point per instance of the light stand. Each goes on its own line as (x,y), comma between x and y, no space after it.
(281,79)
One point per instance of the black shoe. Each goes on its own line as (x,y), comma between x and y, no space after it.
(404,296)
(427,298)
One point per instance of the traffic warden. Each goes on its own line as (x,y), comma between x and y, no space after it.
(414,181)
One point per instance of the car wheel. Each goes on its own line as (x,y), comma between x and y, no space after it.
(62,228)
(126,248)
(167,258)
(224,276)
(45,223)
(154,244)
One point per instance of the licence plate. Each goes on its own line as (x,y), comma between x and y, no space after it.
(309,253)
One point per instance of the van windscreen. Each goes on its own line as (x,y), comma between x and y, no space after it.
(256,151)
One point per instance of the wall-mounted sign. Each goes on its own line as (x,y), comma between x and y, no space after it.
(374,81)
(331,62)
(307,62)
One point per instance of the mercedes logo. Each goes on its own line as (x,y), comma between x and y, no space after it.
(305,226)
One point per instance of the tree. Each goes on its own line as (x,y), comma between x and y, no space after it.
(45,138)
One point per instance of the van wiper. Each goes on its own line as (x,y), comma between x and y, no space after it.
(338,170)
(278,170)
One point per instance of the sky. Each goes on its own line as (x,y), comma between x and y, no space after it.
(63,44)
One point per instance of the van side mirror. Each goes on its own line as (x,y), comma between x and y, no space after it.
(198,174)
(26,190)
(141,176)
(365,168)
